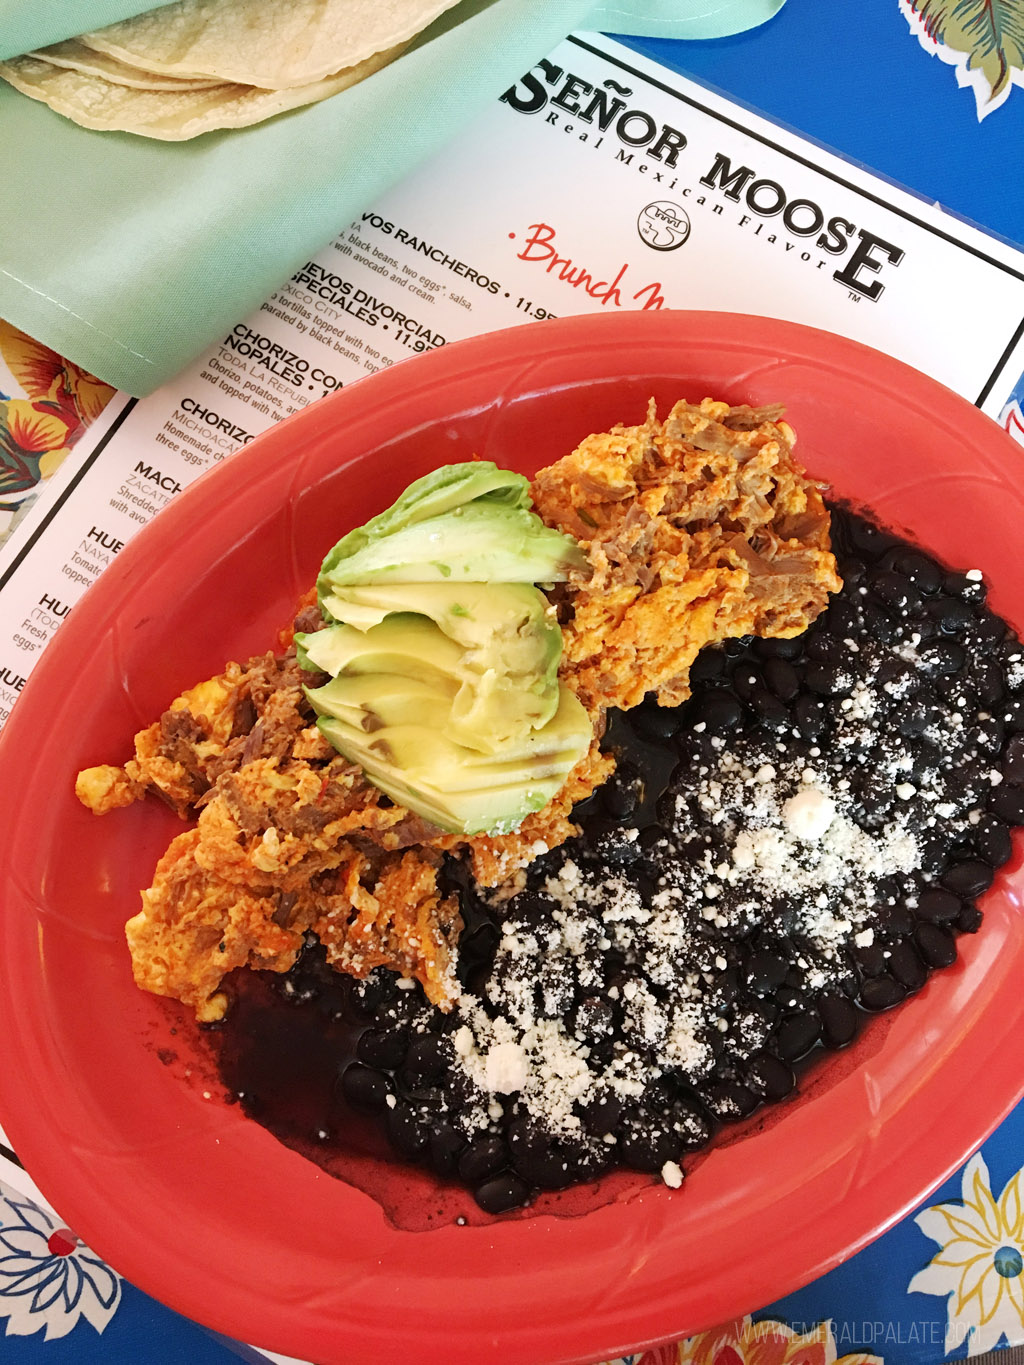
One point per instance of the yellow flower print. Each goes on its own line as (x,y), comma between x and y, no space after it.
(37,431)
(980,1263)
(45,376)
(32,429)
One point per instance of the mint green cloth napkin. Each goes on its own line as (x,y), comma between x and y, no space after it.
(131,256)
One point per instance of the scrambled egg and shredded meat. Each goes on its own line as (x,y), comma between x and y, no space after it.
(696,529)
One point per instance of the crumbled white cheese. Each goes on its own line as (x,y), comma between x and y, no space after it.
(809,813)
(672,1175)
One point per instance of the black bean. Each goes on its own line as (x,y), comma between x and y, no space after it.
(918,714)
(770,1076)
(928,759)
(907,967)
(842,619)
(969,920)
(731,1101)
(375,990)
(445,1145)
(622,793)
(895,921)
(709,664)
(782,678)
(405,1130)
(989,629)
(364,1087)
(898,679)
(959,585)
(656,723)
(811,716)
(881,993)
(602,1115)
(870,959)
(968,880)
(989,683)
(829,680)
(645,1143)
(955,689)
(796,1035)
(938,906)
(383,1048)
(895,591)
(880,625)
(838,1020)
(690,1122)
(936,945)
(987,735)
(501,1193)
(876,797)
(932,855)
(1013,761)
(427,1060)
(594,1019)
(764,972)
(547,1167)
(790,647)
(952,616)
(1012,715)
(942,657)
(770,712)
(736,647)
(826,649)
(483,1157)
(718,710)
(923,572)
(1008,804)
(852,571)
(992,841)
(745,681)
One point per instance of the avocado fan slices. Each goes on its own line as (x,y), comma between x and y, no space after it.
(443,652)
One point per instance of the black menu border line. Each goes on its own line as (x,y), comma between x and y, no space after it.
(58,503)
(11,1156)
(830,175)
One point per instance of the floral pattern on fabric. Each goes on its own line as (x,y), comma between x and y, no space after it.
(746,1342)
(983,40)
(49,1280)
(980,1262)
(38,430)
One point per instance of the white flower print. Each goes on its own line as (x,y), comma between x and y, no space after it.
(49,1280)
(980,1264)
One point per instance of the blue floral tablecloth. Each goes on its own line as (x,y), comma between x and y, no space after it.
(945,1283)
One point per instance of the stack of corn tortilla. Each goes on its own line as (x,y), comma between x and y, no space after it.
(198,65)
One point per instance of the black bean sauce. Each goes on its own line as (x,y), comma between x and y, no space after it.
(796,848)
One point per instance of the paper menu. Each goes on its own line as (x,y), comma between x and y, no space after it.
(600,182)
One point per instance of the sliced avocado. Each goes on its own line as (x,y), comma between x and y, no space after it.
(511,642)
(371,701)
(491,649)
(433,495)
(483,542)
(403,643)
(444,654)
(456,789)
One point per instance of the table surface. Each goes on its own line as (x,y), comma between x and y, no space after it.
(860,81)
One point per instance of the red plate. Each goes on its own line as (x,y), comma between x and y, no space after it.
(205,1210)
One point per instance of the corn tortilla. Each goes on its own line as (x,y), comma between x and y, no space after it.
(274,44)
(170,116)
(75,56)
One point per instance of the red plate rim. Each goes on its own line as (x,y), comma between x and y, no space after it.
(211,1215)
